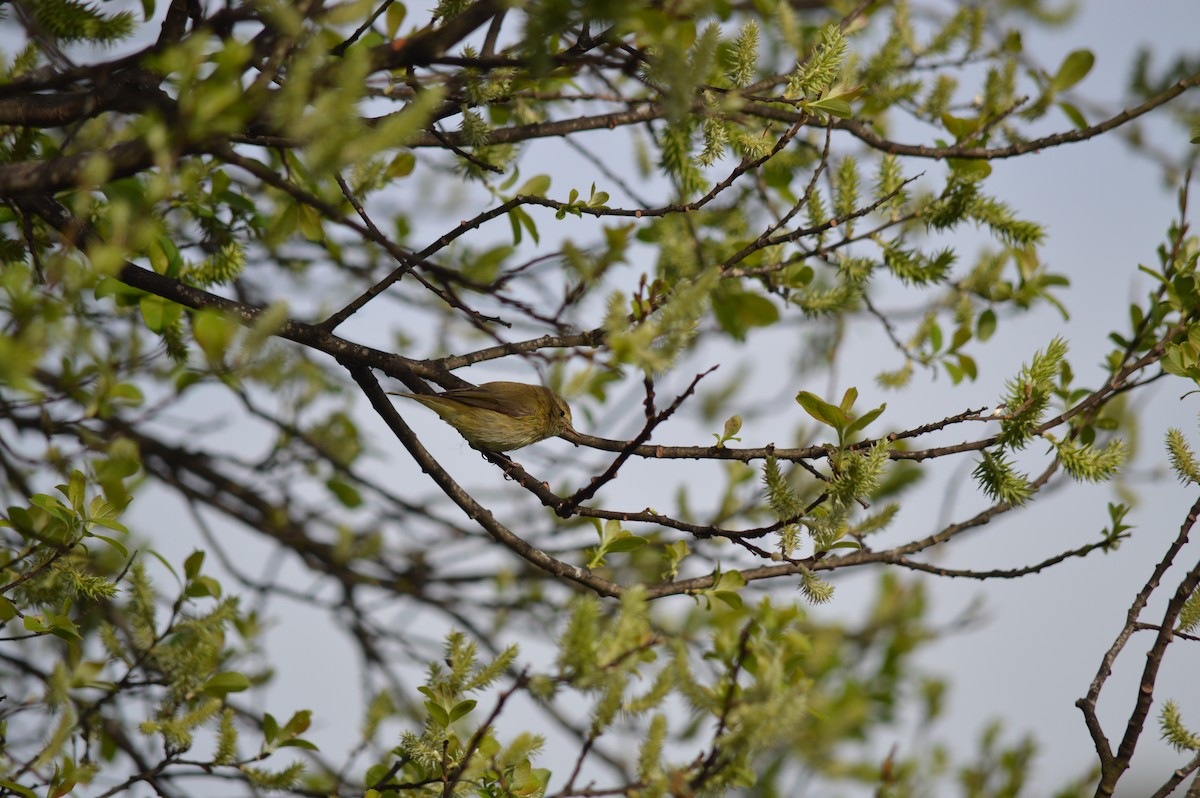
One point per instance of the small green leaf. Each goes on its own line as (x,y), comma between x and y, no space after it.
(461,709)
(959,127)
(404,163)
(1074,114)
(214,332)
(76,487)
(536,186)
(8,610)
(270,727)
(956,375)
(848,399)
(519,220)
(221,684)
(968,366)
(346,493)
(834,106)
(310,223)
(164,255)
(438,713)
(822,411)
(153,312)
(114,543)
(203,587)
(986,325)
(1075,68)
(166,564)
(52,506)
(17,788)
(935,338)
(63,627)
(731,599)
(127,394)
(34,623)
(625,542)
(124,294)
(738,311)
(193,564)
(395,16)
(866,418)
(970,168)
(732,425)
(298,723)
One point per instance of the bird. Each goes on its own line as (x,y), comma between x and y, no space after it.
(500,416)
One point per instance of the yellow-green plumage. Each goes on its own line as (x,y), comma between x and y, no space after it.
(500,416)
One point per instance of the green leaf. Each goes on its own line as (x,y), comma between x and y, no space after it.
(127,394)
(519,220)
(626,542)
(52,506)
(193,564)
(298,723)
(214,332)
(124,294)
(153,312)
(440,716)
(959,127)
(166,564)
(8,610)
(203,587)
(109,523)
(76,486)
(985,325)
(733,425)
(63,627)
(866,418)
(403,164)
(270,727)
(114,543)
(968,366)
(34,623)
(834,106)
(848,399)
(395,16)
(970,168)
(164,255)
(310,223)
(536,186)
(346,493)
(935,337)
(222,684)
(1074,68)
(822,411)
(739,311)
(461,709)
(1074,114)
(731,599)
(17,788)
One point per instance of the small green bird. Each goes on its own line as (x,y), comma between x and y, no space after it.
(500,416)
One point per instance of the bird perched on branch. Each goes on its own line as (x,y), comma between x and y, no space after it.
(500,416)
